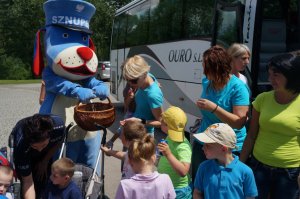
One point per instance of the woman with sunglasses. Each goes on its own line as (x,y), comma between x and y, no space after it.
(148,97)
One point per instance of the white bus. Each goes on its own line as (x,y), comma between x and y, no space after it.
(173,34)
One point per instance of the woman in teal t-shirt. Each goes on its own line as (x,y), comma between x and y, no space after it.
(148,97)
(224,99)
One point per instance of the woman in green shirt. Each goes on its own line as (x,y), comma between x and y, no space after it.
(274,132)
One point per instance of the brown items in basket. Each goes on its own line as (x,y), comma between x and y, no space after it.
(87,115)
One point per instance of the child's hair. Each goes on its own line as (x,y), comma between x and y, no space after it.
(134,130)
(6,169)
(142,150)
(64,167)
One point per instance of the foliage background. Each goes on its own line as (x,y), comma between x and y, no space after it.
(19,21)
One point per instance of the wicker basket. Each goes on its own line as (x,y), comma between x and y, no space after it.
(87,115)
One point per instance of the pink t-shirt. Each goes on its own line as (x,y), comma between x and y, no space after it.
(154,185)
(127,171)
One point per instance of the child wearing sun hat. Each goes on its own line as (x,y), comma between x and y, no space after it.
(222,175)
(176,152)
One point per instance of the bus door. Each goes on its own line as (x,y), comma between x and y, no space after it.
(278,32)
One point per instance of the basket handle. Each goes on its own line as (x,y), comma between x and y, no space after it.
(109,101)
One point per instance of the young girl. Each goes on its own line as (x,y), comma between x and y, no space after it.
(146,183)
(131,130)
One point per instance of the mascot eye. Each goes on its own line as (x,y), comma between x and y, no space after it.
(65,35)
(84,38)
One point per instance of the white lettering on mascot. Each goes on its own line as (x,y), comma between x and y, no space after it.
(69,74)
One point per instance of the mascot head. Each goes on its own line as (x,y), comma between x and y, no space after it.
(68,47)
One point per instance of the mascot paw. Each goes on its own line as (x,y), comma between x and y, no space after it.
(84,94)
(101,91)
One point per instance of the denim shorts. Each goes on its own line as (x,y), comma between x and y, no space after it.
(184,193)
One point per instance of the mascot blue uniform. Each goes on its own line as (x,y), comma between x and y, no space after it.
(71,65)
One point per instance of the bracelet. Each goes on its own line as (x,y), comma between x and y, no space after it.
(215,109)
(143,121)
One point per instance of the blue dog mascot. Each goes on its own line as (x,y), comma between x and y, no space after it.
(68,76)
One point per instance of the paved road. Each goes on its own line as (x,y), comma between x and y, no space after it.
(19,101)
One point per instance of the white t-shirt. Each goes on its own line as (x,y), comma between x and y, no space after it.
(127,171)
(243,78)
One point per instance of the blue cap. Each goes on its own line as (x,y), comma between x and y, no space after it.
(71,14)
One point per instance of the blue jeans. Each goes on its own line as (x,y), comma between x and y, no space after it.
(273,182)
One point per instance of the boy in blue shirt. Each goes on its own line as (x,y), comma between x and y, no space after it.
(61,184)
(223,175)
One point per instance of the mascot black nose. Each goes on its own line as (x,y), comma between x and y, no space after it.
(85,53)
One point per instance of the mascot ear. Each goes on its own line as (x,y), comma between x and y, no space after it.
(91,45)
(38,61)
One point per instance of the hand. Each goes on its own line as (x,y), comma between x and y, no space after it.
(41,169)
(122,122)
(109,144)
(206,105)
(84,94)
(164,148)
(106,150)
(101,91)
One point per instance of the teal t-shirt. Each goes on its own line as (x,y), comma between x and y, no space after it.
(235,93)
(183,152)
(215,181)
(146,100)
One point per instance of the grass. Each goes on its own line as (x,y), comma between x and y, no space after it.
(29,81)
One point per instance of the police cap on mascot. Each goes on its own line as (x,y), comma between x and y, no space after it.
(69,73)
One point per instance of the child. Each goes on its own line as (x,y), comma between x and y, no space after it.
(6,175)
(131,130)
(146,183)
(223,175)
(177,152)
(61,184)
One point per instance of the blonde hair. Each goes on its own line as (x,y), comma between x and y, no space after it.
(142,150)
(134,130)
(237,50)
(134,67)
(64,167)
(6,169)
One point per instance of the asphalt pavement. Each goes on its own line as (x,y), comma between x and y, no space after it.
(22,100)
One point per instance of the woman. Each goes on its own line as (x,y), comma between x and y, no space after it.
(224,99)
(148,97)
(274,130)
(240,55)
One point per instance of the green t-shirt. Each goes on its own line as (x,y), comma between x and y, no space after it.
(183,152)
(277,142)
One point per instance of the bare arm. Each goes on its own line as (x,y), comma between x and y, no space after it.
(197,194)
(236,119)
(251,136)
(28,187)
(117,154)
(157,114)
(181,168)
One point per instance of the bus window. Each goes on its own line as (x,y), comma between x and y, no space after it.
(198,19)
(122,31)
(114,42)
(138,21)
(228,23)
(165,20)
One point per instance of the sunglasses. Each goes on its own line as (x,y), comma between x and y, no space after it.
(133,81)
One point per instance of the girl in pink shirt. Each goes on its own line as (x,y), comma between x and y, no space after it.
(146,183)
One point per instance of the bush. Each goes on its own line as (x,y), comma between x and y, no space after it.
(14,68)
